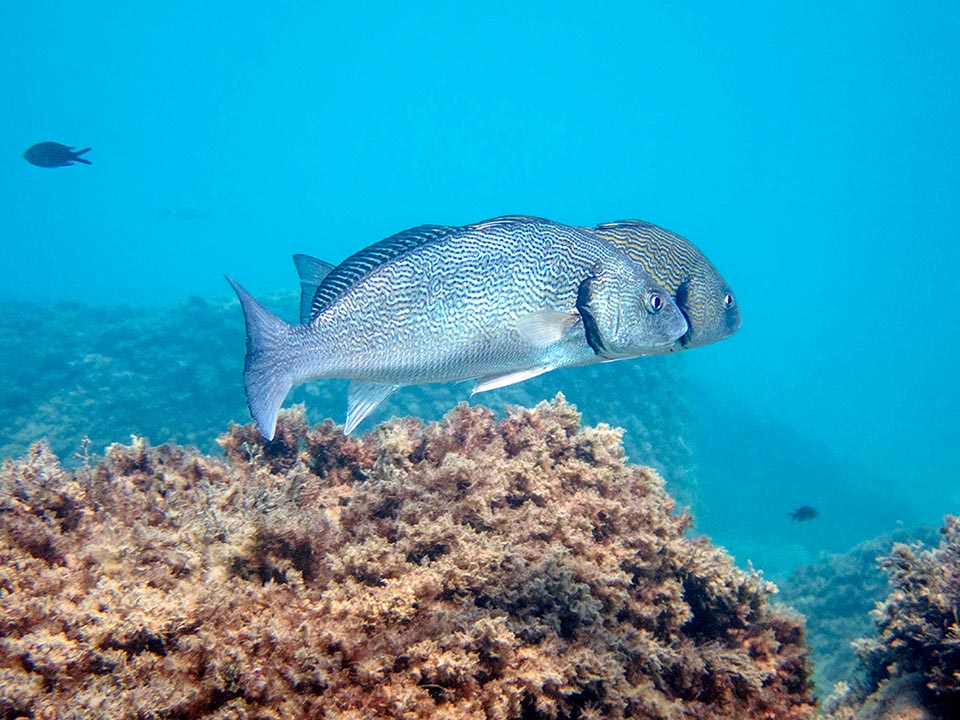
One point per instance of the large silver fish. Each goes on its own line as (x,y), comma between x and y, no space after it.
(697,287)
(500,301)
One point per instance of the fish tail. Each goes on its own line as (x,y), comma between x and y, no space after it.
(266,374)
(78,153)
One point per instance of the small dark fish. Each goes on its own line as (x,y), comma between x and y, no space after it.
(184,213)
(53,154)
(804,512)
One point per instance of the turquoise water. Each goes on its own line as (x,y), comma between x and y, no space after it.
(811,152)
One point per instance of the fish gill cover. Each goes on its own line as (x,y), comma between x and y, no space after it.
(462,569)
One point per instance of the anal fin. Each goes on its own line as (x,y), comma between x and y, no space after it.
(362,399)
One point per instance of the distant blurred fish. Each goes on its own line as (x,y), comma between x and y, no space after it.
(804,512)
(698,288)
(53,154)
(184,213)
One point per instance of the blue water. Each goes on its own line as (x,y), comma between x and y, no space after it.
(811,151)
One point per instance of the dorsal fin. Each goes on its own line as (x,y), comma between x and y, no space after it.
(358,266)
(625,223)
(312,271)
(506,220)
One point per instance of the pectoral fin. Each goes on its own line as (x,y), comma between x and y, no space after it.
(492,382)
(545,327)
(362,399)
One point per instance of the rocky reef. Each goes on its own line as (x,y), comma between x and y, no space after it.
(463,569)
(835,595)
(911,666)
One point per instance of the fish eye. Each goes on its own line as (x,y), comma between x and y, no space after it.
(654,302)
(728,301)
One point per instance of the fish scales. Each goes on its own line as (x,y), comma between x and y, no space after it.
(440,314)
(656,248)
(361,264)
(501,301)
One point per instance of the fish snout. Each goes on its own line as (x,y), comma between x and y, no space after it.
(733,321)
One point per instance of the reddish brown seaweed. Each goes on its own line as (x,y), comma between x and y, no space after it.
(912,665)
(466,569)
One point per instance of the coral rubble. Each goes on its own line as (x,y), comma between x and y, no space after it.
(912,664)
(462,569)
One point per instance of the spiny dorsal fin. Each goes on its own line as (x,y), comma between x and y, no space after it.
(358,266)
(312,271)
(625,224)
(506,220)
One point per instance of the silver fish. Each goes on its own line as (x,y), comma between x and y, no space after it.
(697,287)
(53,154)
(500,301)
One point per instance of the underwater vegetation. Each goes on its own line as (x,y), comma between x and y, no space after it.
(463,569)
(835,595)
(911,665)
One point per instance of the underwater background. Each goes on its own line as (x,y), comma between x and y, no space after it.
(810,151)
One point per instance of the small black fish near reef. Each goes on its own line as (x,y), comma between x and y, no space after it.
(53,154)
(804,512)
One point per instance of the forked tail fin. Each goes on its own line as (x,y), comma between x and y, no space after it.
(267,377)
(78,153)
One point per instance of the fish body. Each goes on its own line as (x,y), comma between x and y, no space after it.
(53,154)
(803,513)
(697,287)
(500,301)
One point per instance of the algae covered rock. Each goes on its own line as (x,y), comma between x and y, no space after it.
(462,569)
(835,595)
(911,665)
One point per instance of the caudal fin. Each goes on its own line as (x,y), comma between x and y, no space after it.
(78,153)
(266,373)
